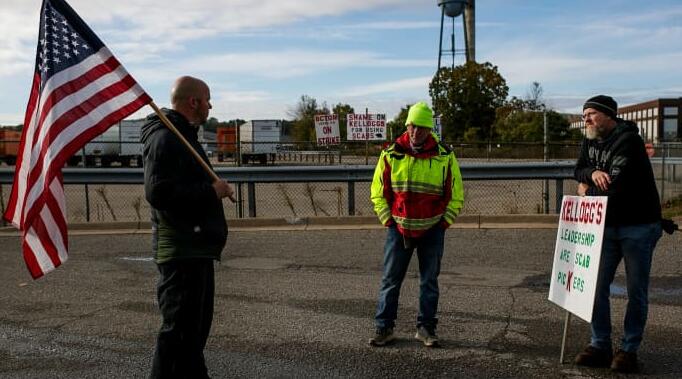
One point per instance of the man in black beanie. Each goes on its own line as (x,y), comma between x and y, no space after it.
(613,162)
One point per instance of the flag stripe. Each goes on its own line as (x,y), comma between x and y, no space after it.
(16,196)
(53,218)
(64,118)
(42,232)
(67,111)
(55,155)
(32,127)
(43,263)
(59,100)
(30,257)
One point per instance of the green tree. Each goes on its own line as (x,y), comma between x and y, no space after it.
(343,110)
(288,130)
(211,124)
(520,121)
(466,97)
(232,122)
(396,127)
(534,100)
(303,116)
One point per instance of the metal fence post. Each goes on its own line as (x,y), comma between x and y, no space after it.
(351,198)
(559,194)
(665,152)
(251,188)
(87,204)
(240,201)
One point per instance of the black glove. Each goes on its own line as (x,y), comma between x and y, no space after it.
(669,226)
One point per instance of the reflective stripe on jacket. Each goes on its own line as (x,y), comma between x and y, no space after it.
(417,190)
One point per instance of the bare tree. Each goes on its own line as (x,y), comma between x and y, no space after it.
(534,97)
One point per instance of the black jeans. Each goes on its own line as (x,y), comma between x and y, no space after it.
(185,292)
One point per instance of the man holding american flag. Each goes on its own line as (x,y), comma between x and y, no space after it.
(79,91)
(189,231)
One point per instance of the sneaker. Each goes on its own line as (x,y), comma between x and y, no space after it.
(382,336)
(427,334)
(625,362)
(593,357)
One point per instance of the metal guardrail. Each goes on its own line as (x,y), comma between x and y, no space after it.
(284,174)
(557,171)
(666,160)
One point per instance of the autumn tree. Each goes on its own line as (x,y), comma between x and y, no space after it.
(396,127)
(534,100)
(303,117)
(523,121)
(343,110)
(466,98)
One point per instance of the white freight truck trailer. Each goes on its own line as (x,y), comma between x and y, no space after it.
(259,140)
(118,144)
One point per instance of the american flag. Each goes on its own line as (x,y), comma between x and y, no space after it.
(79,90)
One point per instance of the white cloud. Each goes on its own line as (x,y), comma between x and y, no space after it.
(420,84)
(522,64)
(17,39)
(277,64)
(190,19)
(390,25)
(145,29)
(10,119)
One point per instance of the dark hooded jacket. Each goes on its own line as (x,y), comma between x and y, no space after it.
(187,216)
(633,197)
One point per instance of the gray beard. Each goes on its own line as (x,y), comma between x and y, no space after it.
(595,133)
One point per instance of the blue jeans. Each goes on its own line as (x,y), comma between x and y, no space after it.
(396,260)
(635,245)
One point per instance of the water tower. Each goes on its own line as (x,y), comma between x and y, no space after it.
(453,9)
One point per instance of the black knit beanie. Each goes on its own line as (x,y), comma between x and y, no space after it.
(604,104)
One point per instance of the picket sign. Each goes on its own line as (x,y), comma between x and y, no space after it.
(576,257)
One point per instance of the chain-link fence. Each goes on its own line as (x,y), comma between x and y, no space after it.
(125,202)
(99,203)
(354,152)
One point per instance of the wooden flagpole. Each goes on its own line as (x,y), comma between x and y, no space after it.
(189,147)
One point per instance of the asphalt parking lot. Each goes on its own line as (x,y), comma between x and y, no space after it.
(300,302)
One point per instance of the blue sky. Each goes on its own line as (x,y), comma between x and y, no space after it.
(259,57)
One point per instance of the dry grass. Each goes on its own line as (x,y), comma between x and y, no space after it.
(673,207)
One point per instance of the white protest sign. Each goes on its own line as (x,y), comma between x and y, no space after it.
(366,127)
(577,254)
(327,129)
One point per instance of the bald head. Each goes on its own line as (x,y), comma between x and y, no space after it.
(191,97)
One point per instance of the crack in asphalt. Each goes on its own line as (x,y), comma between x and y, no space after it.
(500,338)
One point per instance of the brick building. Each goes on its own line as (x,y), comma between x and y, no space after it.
(659,120)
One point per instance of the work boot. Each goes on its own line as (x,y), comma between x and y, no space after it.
(427,334)
(593,357)
(625,362)
(382,337)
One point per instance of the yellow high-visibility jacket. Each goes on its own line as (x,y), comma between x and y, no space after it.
(417,190)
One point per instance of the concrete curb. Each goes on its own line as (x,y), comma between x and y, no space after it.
(533,221)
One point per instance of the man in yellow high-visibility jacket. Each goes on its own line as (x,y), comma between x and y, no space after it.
(417,193)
